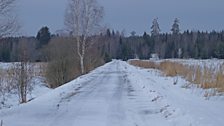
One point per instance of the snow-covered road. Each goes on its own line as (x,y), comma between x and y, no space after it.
(118,94)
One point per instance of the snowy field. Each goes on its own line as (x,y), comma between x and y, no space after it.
(205,77)
(118,94)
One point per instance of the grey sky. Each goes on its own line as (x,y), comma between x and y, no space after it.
(130,15)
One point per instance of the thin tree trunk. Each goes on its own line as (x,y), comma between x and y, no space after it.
(81,55)
(82,64)
(81,52)
(23,83)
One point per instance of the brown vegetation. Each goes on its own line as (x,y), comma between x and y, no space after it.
(63,61)
(204,76)
(143,64)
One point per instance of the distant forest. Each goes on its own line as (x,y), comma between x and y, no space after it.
(111,45)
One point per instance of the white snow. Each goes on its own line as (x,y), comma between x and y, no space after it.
(118,94)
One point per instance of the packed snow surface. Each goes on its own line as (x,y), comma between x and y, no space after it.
(118,94)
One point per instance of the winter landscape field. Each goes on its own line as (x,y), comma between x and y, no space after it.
(119,94)
(111,63)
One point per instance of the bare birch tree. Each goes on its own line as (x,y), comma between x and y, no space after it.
(82,19)
(8,21)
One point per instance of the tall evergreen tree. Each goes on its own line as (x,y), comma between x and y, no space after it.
(155,27)
(175,27)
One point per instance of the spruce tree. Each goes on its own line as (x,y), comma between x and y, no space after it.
(155,27)
(175,27)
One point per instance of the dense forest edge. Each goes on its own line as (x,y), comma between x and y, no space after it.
(111,45)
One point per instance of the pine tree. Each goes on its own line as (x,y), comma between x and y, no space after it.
(175,27)
(155,27)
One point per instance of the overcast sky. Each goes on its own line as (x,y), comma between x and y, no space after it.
(131,15)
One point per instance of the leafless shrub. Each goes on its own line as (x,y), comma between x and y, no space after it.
(5,86)
(62,65)
(17,81)
(21,76)
(21,73)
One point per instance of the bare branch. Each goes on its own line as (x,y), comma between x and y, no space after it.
(6,5)
(8,22)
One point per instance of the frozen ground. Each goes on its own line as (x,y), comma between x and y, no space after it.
(118,94)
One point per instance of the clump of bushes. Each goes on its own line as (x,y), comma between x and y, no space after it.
(63,61)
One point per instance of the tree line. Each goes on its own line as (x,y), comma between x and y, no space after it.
(188,44)
(114,45)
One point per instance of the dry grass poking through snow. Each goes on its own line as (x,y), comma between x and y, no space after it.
(204,76)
